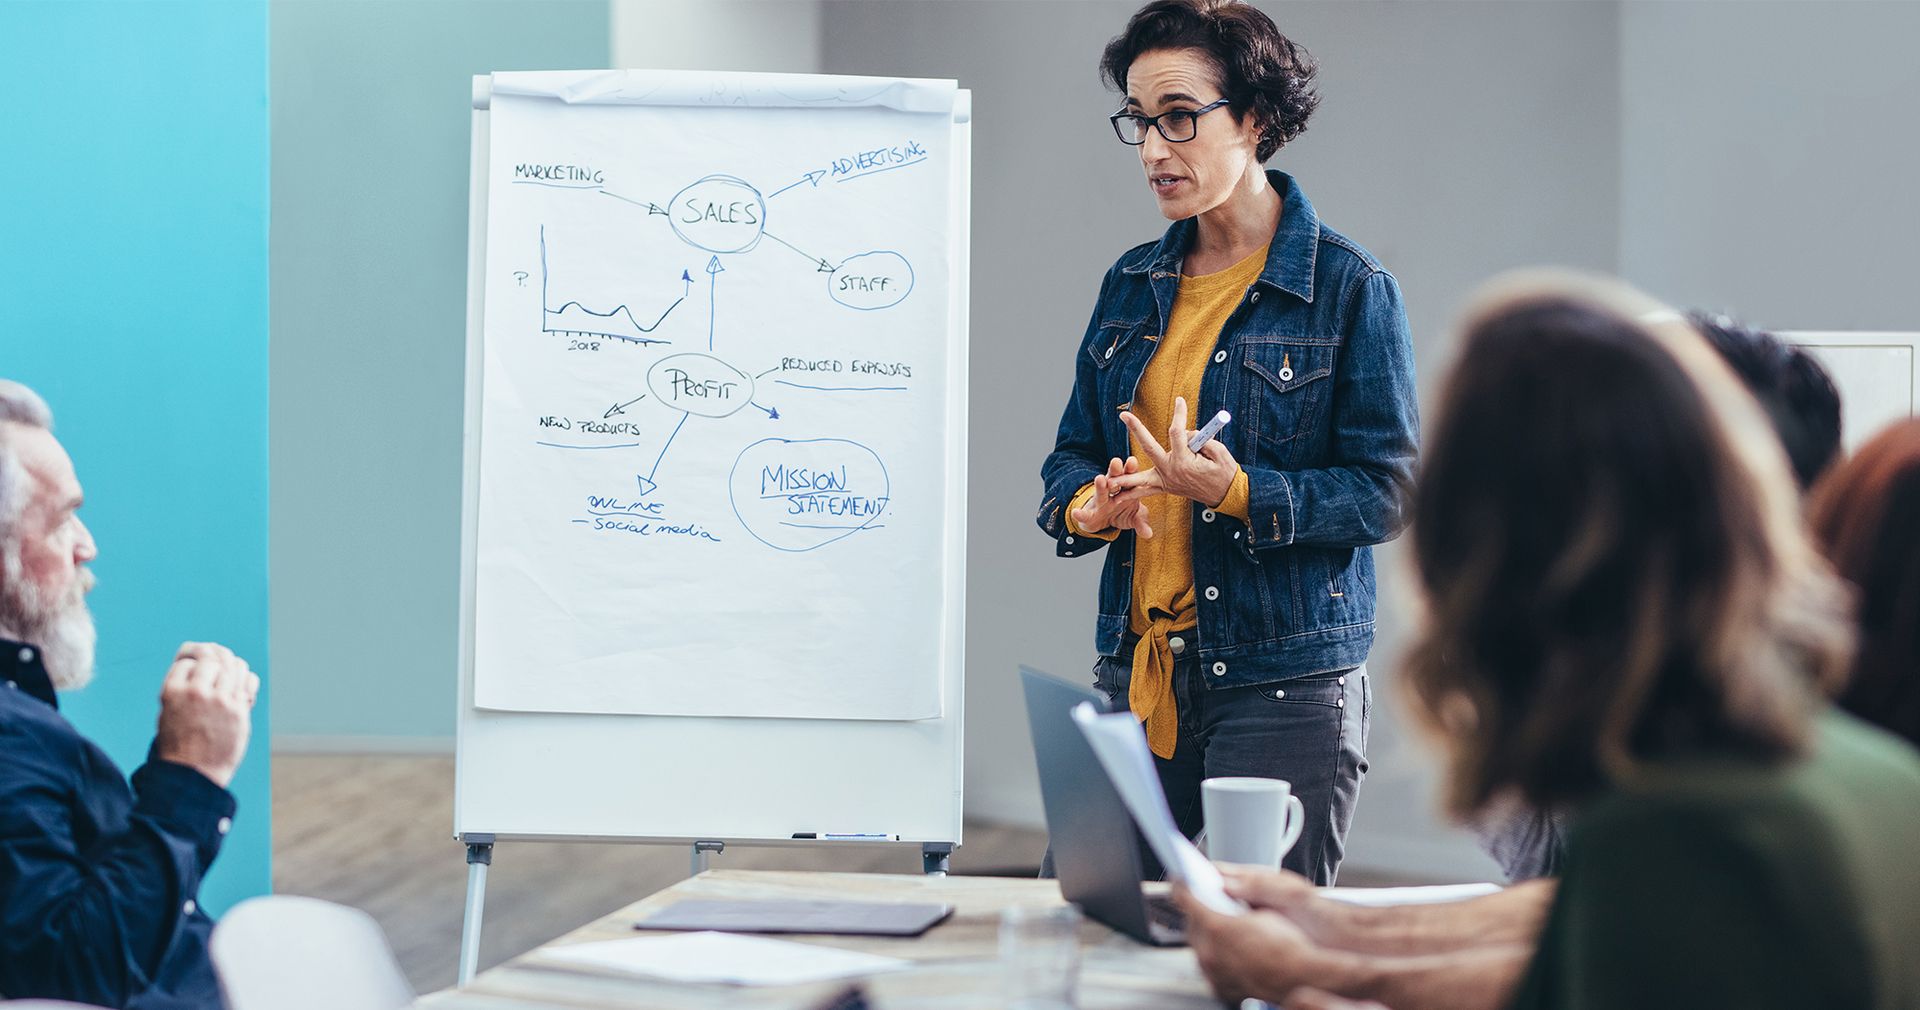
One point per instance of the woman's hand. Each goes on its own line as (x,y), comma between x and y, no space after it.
(1323,920)
(1105,511)
(1258,954)
(1205,476)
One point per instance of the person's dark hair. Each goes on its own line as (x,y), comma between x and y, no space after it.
(1610,552)
(1792,387)
(1864,515)
(1260,70)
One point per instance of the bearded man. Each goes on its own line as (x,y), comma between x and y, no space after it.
(99,877)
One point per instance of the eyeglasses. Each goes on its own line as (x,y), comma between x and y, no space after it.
(1177,126)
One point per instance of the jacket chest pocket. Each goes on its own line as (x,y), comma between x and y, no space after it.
(1114,341)
(1282,389)
(1113,347)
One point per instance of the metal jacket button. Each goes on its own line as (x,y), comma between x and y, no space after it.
(1206,515)
(1177,644)
(1219,669)
(1286,375)
(1219,356)
(1213,592)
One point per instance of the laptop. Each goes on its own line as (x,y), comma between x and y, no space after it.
(1096,846)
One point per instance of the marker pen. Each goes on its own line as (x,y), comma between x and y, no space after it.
(1205,435)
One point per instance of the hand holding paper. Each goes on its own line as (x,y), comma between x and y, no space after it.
(1120,744)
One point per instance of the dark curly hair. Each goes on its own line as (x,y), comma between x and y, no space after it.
(1796,392)
(1260,70)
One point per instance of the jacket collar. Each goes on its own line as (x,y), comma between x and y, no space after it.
(1290,257)
(22,671)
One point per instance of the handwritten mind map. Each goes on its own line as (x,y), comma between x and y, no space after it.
(726,215)
(717,364)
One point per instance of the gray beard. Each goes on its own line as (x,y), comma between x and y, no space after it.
(61,628)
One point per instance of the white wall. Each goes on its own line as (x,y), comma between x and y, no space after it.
(1771,159)
(758,35)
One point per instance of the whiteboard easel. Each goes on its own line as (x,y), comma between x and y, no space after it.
(707,782)
(1877,374)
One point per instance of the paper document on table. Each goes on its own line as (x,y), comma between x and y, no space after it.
(724,958)
(1431,895)
(1120,744)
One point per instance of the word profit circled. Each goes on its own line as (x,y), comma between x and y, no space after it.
(699,384)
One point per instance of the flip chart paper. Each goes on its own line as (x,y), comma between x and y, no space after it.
(712,470)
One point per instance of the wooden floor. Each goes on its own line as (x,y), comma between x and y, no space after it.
(375,832)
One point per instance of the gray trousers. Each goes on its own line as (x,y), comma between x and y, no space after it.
(1311,731)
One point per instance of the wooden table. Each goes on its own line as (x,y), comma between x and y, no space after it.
(957,962)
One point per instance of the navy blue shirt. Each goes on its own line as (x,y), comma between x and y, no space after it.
(99,882)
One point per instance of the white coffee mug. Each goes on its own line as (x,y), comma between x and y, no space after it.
(1253,821)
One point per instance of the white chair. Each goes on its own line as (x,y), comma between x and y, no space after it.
(284,952)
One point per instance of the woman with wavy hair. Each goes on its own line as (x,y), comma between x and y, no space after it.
(1626,618)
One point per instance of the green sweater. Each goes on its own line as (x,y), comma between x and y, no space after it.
(1725,883)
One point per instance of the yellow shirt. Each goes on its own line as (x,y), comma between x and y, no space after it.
(1163,598)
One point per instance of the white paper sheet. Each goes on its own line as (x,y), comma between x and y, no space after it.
(719,88)
(724,958)
(1429,895)
(1121,745)
(712,467)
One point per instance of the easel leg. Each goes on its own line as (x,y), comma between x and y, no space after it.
(479,857)
(936,857)
(701,850)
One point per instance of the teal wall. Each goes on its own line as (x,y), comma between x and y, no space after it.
(370,130)
(133,295)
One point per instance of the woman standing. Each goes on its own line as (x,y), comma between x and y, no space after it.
(1236,606)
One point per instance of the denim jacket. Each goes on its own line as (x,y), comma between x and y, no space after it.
(1316,366)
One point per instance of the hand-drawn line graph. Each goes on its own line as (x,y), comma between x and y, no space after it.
(619,322)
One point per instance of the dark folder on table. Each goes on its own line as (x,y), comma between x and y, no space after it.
(847,918)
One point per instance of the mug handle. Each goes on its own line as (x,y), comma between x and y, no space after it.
(1296,821)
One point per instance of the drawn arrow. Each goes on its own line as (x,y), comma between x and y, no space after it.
(813,177)
(652,208)
(647,483)
(646,486)
(714,270)
(822,267)
(773,414)
(621,408)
